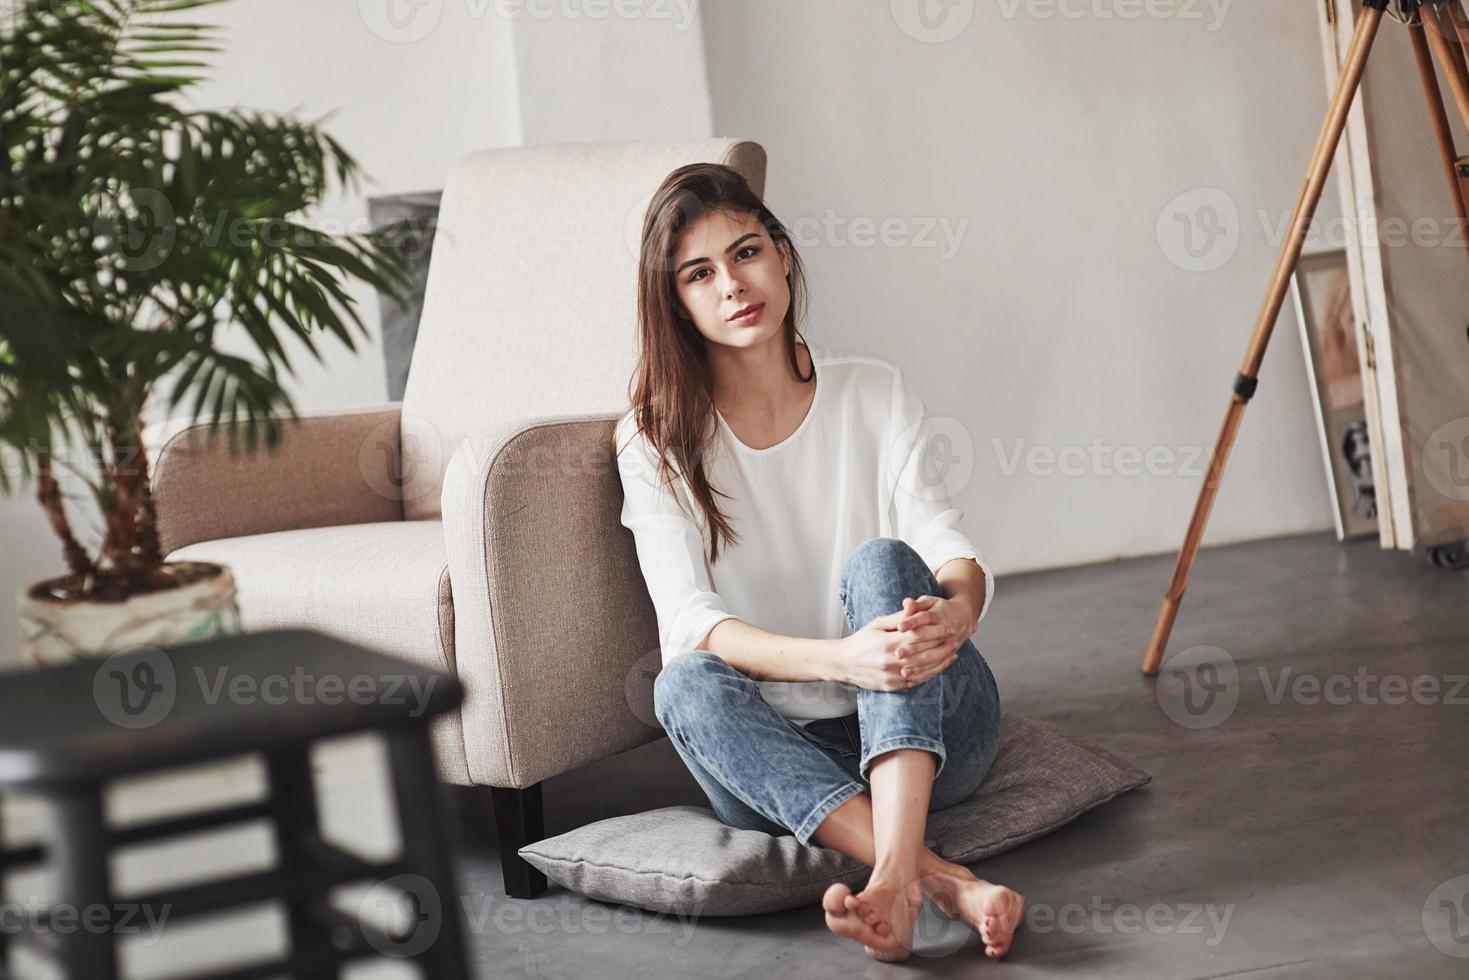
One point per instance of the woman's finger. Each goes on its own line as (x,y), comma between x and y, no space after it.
(921,636)
(944,665)
(910,649)
(917,664)
(924,617)
(891,621)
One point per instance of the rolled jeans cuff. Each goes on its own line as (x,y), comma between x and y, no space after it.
(833,800)
(903,742)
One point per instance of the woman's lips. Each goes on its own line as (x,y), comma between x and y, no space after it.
(750,317)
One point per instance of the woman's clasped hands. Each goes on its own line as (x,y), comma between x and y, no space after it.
(905,648)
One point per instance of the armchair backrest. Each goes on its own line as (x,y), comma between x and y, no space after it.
(530,307)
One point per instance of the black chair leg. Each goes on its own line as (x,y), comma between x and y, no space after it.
(519,821)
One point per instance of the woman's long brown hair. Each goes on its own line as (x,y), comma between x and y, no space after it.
(672,389)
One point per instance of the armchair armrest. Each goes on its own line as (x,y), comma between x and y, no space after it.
(555,636)
(331,467)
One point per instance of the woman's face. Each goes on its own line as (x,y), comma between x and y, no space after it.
(723,264)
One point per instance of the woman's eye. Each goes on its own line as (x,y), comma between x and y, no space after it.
(753,251)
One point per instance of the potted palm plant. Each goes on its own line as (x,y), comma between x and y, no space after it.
(133,229)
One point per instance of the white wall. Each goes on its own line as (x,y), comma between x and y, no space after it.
(1058,319)
(634,75)
(1055,316)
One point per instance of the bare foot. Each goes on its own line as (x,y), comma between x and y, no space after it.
(880,917)
(991,910)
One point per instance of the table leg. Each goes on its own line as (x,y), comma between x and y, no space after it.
(85,952)
(418,799)
(293,798)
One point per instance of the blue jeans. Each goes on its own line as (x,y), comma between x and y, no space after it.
(762,771)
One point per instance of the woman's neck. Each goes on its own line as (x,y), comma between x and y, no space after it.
(757,383)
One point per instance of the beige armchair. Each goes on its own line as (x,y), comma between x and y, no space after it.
(474,526)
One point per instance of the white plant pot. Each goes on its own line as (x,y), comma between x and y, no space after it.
(64,630)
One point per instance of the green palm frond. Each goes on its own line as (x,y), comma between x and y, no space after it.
(133,228)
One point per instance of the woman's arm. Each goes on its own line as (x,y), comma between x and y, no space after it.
(966,584)
(770,656)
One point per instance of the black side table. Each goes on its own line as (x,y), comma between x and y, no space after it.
(65,731)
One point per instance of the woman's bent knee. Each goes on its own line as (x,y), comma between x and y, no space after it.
(883,552)
(680,680)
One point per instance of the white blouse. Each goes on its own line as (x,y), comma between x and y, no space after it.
(854,469)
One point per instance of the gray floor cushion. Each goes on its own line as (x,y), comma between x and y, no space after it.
(682,859)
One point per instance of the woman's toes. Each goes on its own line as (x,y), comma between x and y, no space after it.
(866,913)
(856,920)
(834,899)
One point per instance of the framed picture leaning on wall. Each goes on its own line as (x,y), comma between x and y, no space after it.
(1329,341)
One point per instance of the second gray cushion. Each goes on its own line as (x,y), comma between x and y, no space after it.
(684,860)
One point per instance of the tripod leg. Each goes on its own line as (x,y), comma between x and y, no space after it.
(1439,29)
(1244,385)
(1438,114)
(1460,22)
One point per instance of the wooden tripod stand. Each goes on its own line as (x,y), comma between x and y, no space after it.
(1432,24)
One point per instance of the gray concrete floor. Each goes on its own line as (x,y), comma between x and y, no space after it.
(1296,837)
